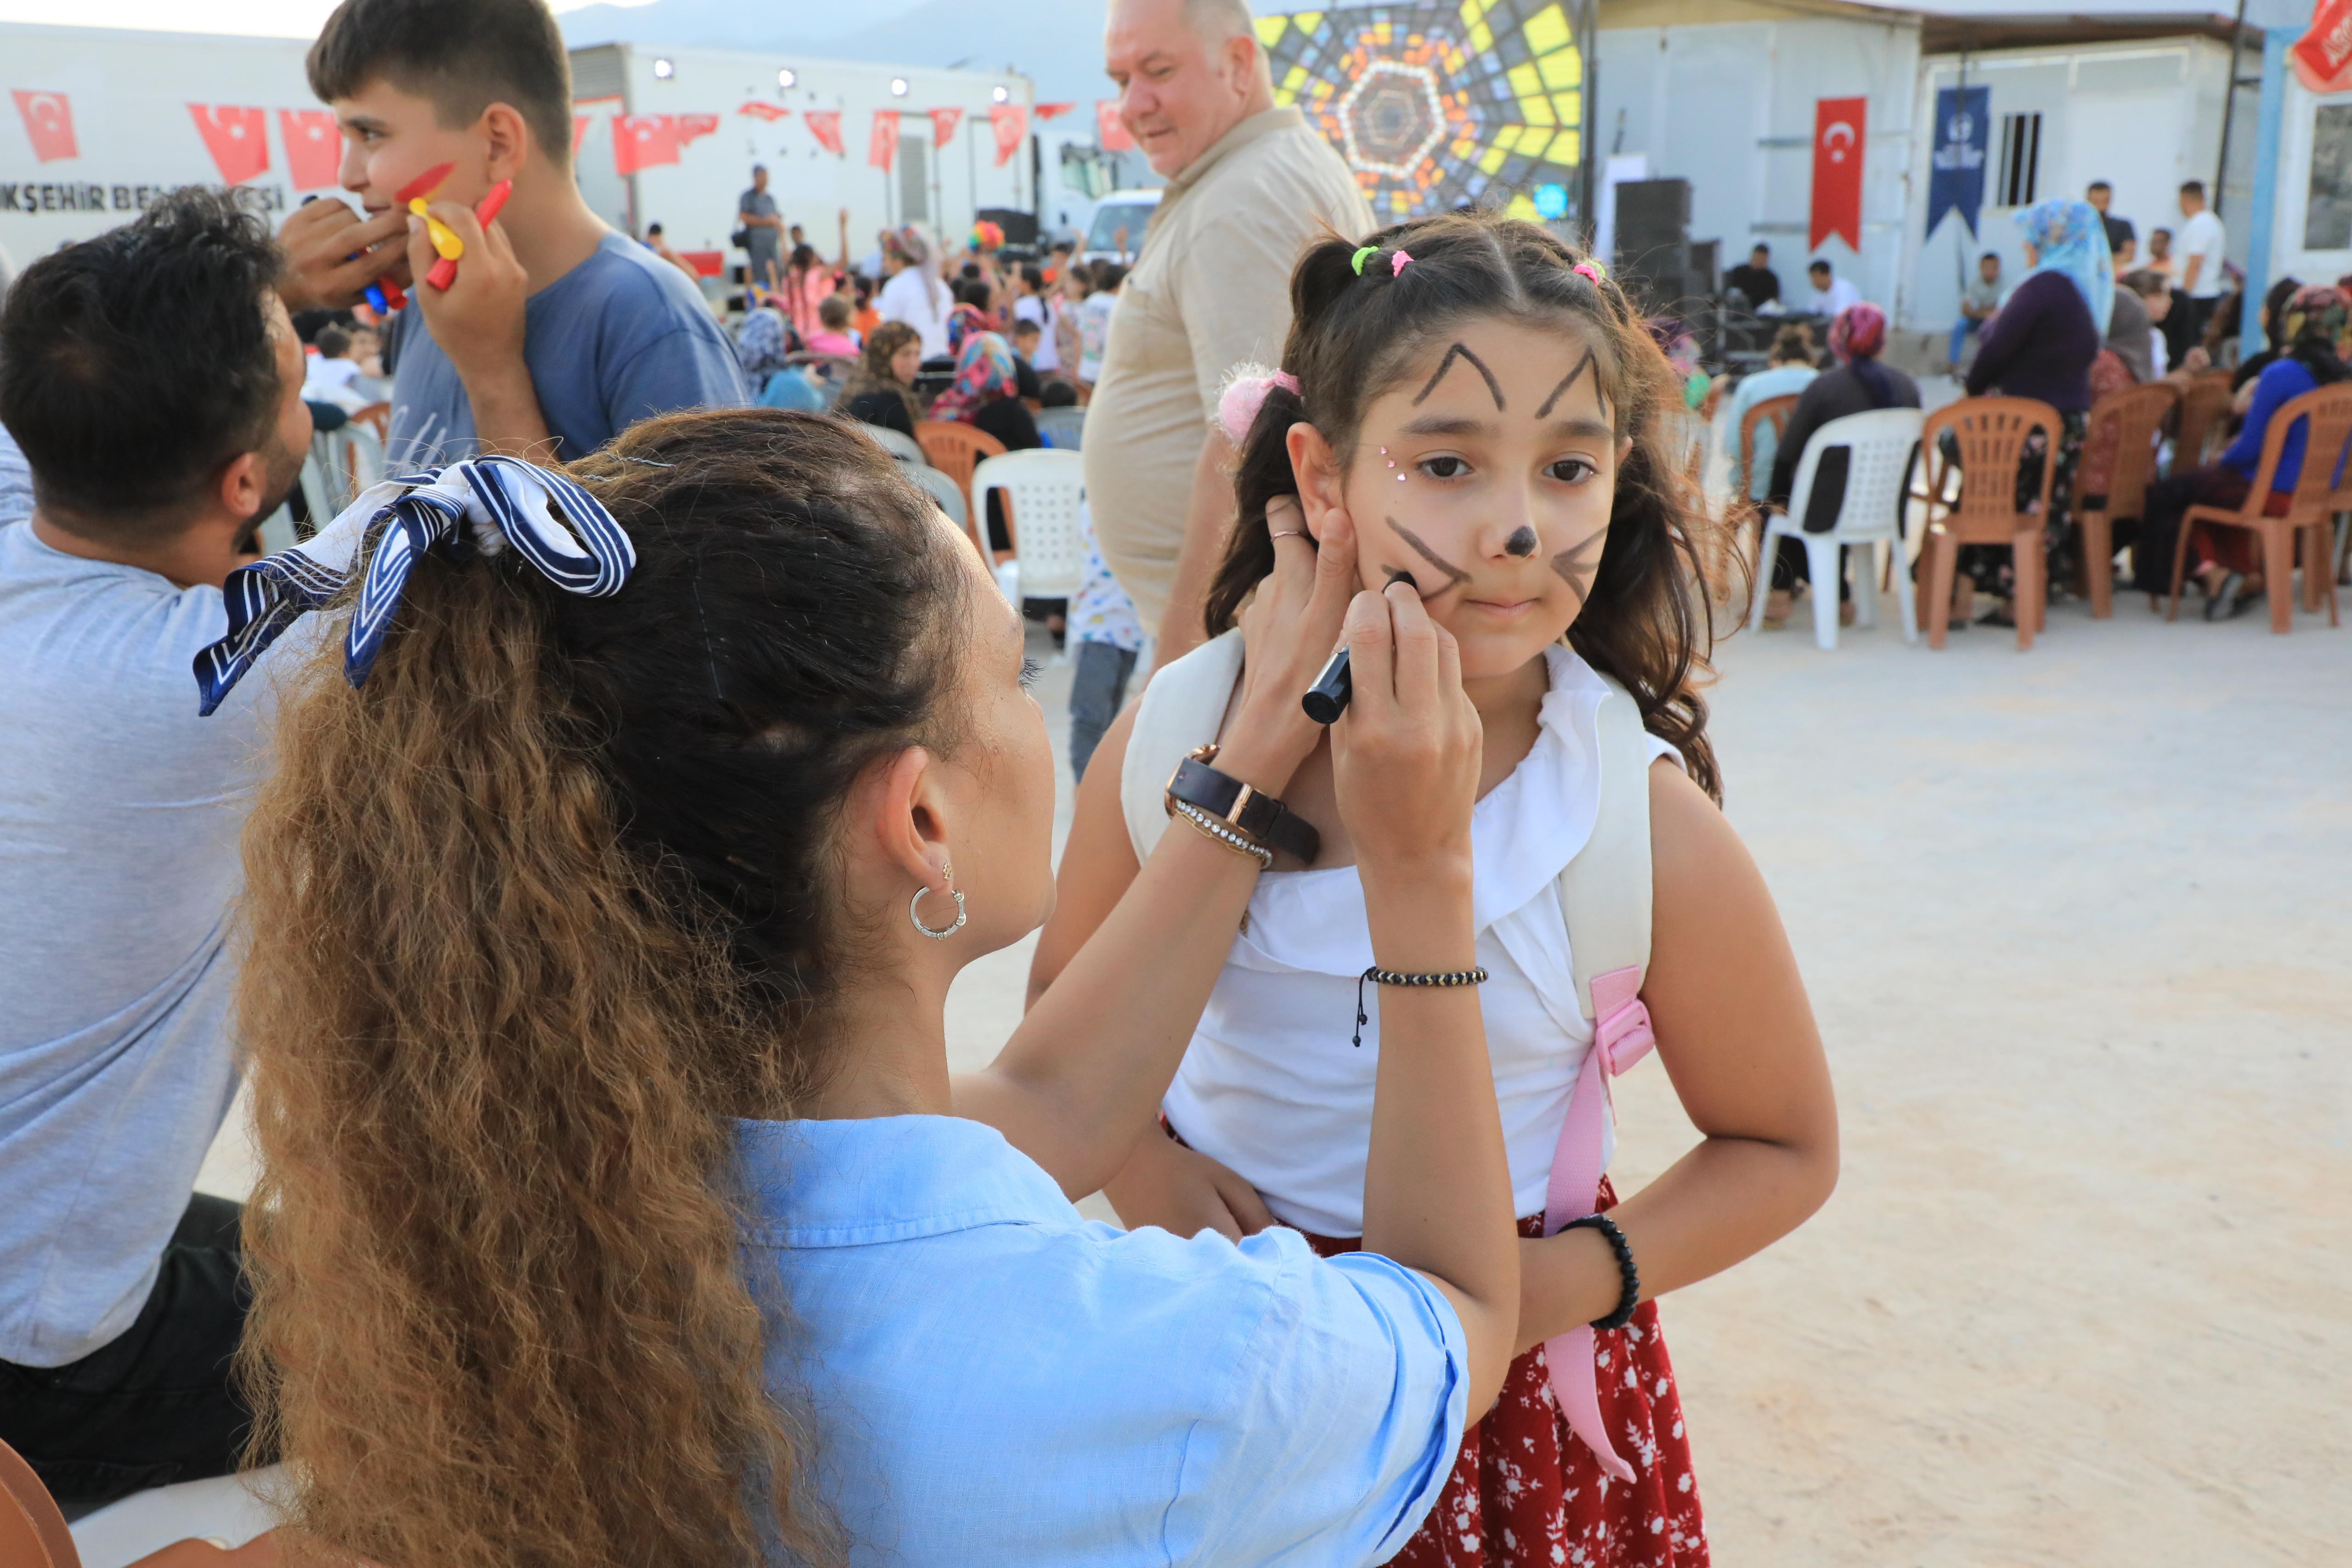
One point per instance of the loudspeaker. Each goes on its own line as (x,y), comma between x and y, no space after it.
(1653,250)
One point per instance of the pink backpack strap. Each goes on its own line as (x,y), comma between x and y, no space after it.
(1605,896)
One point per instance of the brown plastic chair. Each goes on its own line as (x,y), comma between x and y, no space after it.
(33,1532)
(2133,418)
(1990,433)
(955,449)
(2326,413)
(2204,405)
(1777,411)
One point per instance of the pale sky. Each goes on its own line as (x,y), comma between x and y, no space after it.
(275,18)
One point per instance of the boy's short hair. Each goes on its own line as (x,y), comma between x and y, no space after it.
(1025,327)
(972,291)
(1109,275)
(1055,392)
(2099,186)
(135,366)
(1818,267)
(834,311)
(461,54)
(333,344)
(2145,283)
(2193,188)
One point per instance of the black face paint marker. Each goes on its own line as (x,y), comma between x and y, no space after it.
(1327,699)
(1522,541)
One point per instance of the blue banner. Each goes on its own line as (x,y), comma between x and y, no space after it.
(1956,173)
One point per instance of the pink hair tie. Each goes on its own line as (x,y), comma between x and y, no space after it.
(1244,394)
(1591,269)
(1397,266)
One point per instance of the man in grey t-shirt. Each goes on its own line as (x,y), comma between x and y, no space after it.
(763,230)
(155,384)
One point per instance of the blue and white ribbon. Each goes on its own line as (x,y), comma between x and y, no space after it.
(485,504)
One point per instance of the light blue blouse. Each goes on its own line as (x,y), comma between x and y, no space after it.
(997,1380)
(1777,381)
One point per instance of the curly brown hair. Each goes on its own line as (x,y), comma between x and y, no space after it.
(530,918)
(873,375)
(1355,334)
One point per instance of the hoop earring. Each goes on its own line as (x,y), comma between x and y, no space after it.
(915,909)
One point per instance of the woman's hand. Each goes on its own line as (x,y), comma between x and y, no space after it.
(1405,755)
(1184,1192)
(1289,631)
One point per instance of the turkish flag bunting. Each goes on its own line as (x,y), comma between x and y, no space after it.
(313,146)
(580,124)
(642,141)
(1838,128)
(825,124)
(48,123)
(1109,131)
(690,126)
(758,111)
(1054,111)
(882,150)
(236,138)
(2322,58)
(943,124)
(1011,123)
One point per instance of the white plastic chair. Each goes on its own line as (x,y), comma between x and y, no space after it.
(1046,493)
(1063,428)
(945,491)
(903,447)
(1880,443)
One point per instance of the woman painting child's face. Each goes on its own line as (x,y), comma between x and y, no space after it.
(1487,472)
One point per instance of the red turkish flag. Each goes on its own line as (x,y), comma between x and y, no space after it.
(580,124)
(2322,58)
(1838,128)
(314,148)
(1011,123)
(690,126)
(48,124)
(1054,111)
(825,124)
(758,111)
(1108,132)
(642,141)
(943,124)
(236,138)
(883,149)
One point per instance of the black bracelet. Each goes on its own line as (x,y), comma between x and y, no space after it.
(1629,1296)
(1395,977)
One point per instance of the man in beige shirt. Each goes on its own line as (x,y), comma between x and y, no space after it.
(1249,185)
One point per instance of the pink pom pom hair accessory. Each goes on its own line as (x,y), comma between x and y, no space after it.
(1244,394)
(1397,265)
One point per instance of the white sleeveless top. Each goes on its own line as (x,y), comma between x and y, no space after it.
(1270,1086)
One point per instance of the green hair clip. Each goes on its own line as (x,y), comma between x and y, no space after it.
(1359,262)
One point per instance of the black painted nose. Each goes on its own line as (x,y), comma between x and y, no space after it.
(1522,541)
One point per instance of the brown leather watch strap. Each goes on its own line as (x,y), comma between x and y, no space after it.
(1257,816)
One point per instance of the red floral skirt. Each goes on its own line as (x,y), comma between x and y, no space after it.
(1526,1494)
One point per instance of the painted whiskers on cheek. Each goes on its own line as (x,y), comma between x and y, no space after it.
(1580,564)
(1460,352)
(1455,576)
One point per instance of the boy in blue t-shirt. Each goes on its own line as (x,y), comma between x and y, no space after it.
(556,333)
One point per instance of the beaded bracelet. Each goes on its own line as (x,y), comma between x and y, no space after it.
(1378,976)
(1629,1295)
(1222,834)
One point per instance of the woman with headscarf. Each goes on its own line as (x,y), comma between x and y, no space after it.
(1858,384)
(883,391)
(2315,327)
(986,395)
(762,344)
(2041,344)
(917,295)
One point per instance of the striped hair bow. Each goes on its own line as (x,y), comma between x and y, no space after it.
(482,505)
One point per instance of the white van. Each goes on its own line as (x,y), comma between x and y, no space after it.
(1117,232)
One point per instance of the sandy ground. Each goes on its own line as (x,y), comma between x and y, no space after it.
(2075,923)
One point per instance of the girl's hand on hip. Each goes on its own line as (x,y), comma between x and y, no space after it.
(1289,630)
(1184,1192)
(1405,755)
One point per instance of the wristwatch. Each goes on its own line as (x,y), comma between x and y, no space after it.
(1257,816)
